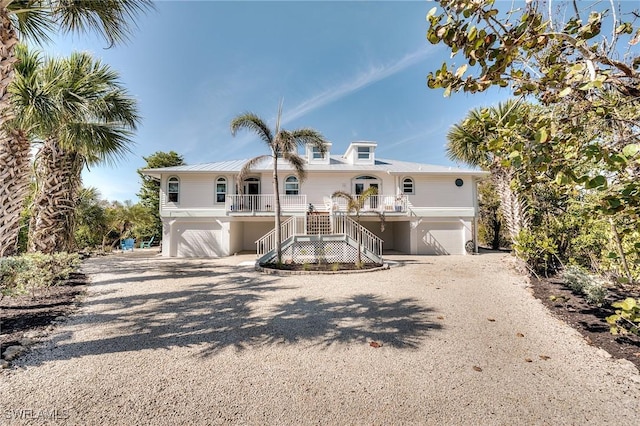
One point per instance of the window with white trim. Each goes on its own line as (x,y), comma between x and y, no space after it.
(291,186)
(221,190)
(316,153)
(364,153)
(173,189)
(407,186)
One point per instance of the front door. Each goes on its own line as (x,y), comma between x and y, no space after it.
(251,190)
(361,184)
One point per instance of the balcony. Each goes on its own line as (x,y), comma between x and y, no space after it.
(264,205)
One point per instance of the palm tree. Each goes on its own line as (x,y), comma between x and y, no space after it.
(468,141)
(355,204)
(282,144)
(34,19)
(78,108)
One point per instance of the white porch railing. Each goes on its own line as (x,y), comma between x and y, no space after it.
(379,203)
(345,225)
(294,225)
(265,203)
(339,224)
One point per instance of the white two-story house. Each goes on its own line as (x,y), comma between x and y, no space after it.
(427,209)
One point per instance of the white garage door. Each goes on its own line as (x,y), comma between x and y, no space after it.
(199,239)
(440,238)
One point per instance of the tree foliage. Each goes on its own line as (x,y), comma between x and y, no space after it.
(149,194)
(35,20)
(577,62)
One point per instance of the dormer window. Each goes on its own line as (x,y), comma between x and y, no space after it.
(361,152)
(364,152)
(316,153)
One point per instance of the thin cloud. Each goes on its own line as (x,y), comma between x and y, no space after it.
(373,75)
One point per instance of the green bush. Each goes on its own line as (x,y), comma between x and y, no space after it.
(580,281)
(34,270)
(627,317)
(536,249)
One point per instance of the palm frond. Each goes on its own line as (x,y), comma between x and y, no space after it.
(298,163)
(32,19)
(252,122)
(247,168)
(98,142)
(310,136)
(112,19)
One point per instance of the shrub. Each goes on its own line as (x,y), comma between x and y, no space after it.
(536,249)
(627,317)
(34,270)
(580,281)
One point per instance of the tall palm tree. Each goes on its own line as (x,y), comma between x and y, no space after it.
(78,108)
(33,20)
(468,142)
(282,144)
(355,204)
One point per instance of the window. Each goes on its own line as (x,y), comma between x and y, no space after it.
(173,189)
(221,190)
(459,182)
(407,186)
(363,153)
(316,153)
(291,185)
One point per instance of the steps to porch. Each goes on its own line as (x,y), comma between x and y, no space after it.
(321,237)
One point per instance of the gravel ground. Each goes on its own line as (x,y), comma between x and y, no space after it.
(162,341)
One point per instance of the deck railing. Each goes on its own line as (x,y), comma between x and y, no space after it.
(294,225)
(379,203)
(265,203)
(339,224)
(298,203)
(345,225)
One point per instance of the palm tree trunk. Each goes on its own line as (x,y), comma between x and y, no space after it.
(14,148)
(15,171)
(511,204)
(278,219)
(53,218)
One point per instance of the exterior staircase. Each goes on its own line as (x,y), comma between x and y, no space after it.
(321,237)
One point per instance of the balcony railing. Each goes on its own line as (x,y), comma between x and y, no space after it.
(298,203)
(379,203)
(265,203)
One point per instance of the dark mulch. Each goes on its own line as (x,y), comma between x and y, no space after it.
(35,312)
(589,320)
(317,267)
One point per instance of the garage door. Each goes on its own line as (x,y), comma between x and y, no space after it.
(199,239)
(440,238)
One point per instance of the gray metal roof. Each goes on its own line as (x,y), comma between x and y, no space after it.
(337,164)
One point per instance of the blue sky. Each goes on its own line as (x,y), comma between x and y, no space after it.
(353,70)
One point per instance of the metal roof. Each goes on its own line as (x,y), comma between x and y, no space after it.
(337,164)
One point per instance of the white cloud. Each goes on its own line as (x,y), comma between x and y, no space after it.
(373,75)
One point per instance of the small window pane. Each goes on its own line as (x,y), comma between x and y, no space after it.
(363,153)
(317,154)
(407,186)
(291,186)
(221,190)
(173,188)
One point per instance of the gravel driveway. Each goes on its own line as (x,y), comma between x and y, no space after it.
(165,341)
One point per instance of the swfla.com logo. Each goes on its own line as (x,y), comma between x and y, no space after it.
(29,414)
